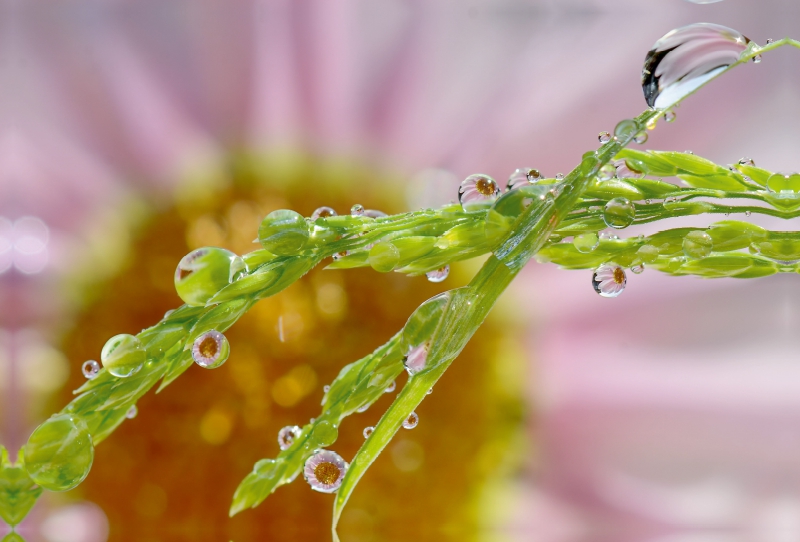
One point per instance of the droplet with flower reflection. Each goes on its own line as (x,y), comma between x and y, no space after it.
(604,137)
(411,421)
(357,210)
(90,369)
(368,431)
(322,212)
(609,280)
(522,177)
(287,435)
(324,471)
(210,349)
(438,275)
(477,191)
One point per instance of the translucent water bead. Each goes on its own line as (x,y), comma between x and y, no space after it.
(477,191)
(609,280)
(324,471)
(211,349)
(607,172)
(411,422)
(697,244)
(619,213)
(604,137)
(59,453)
(132,412)
(322,212)
(283,232)
(438,275)
(90,369)
(205,271)
(391,387)
(368,431)
(357,210)
(123,355)
(522,177)
(419,329)
(287,436)
(586,242)
(686,58)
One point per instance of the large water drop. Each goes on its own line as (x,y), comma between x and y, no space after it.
(609,280)
(59,453)
(324,471)
(686,58)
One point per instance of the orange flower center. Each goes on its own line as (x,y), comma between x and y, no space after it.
(619,275)
(208,347)
(327,473)
(485,186)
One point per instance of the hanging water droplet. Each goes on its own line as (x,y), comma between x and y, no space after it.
(747,162)
(522,177)
(640,138)
(669,115)
(357,210)
(438,275)
(619,213)
(283,232)
(287,435)
(686,58)
(391,387)
(559,176)
(132,412)
(59,453)
(90,369)
(609,280)
(604,137)
(324,471)
(757,59)
(411,422)
(384,256)
(211,349)
(167,314)
(637,269)
(322,212)
(430,391)
(203,272)
(586,242)
(420,328)
(607,172)
(747,213)
(697,244)
(770,40)
(123,355)
(477,191)
(368,431)
(326,388)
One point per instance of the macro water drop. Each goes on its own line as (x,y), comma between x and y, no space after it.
(609,280)
(283,232)
(619,213)
(90,369)
(368,431)
(210,349)
(322,212)
(123,355)
(604,137)
(205,271)
(411,421)
(477,191)
(287,435)
(324,471)
(586,242)
(522,177)
(697,244)
(59,453)
(438,275)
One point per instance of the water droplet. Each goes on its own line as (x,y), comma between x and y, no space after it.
(438,275)
(604,137)
(322,212)
(757,59)
(647,253)
(640,138)
(770,40)
(669,115)
(287,435)
(132,412)
(357,210)
(697,244)
(648,202)
(326,388)
(624,170)
(430,391)
(123,355)
(747,162)
(203,272)
(59,453)
(606,236)
(368,431)
(411,422)
(90,369)
(477,191)
(522,177)
(283,232)
(586,242)
(384,256)
(211,349)
(686,58)
(419,329)
(637,269)
(747,213)
(324,471)
(609,280)
(626,129)
(362,408)
(374,213)
(619,213)
(784,184)
(416,358)
(559,176)
(168,313)
(607,172)
(391,387)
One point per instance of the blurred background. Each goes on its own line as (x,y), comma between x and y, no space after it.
(133,132)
